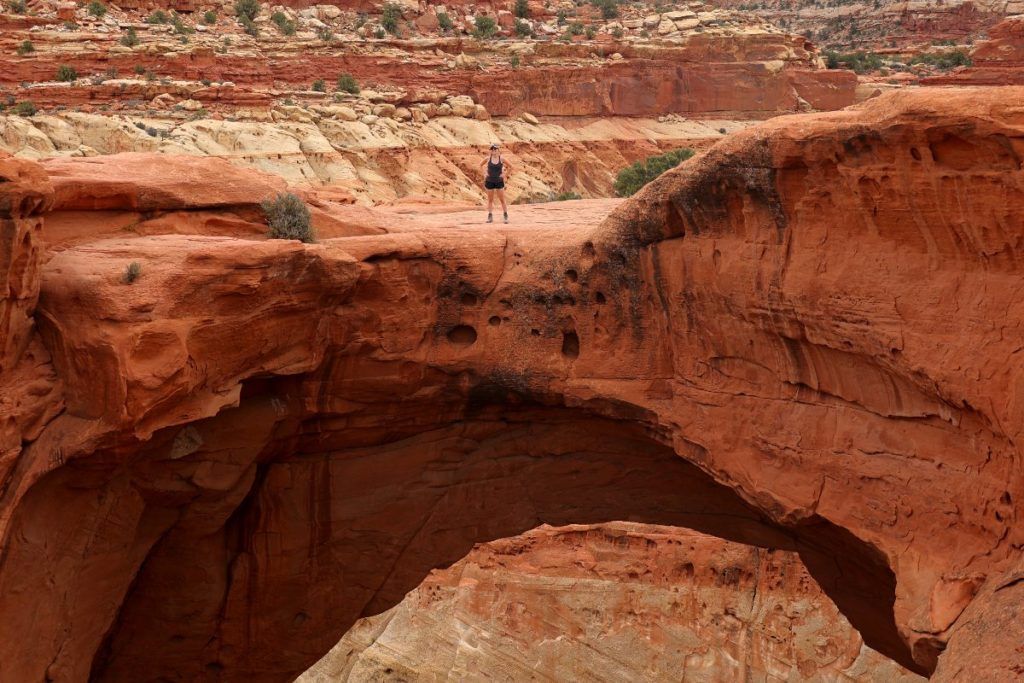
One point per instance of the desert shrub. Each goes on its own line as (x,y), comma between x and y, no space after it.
(575,28)
(945,61)
(523,29)
(723,131)
(285,25)
(180,27)
(139,69)
(130,38)
(347,83)
(319,85)
(560,16)
(609,8)
(247,9)
(522,9)
(391,14)
(25,108)
(325,34)
(632,178)
(288,218)
(590,32)
(97,9)
(66,74)
(515,61)
(860,62)
(17,6)
(209,17)
(617,32)
(380,33)
(131,273)
(444,22)
(567,196)
(485,27)
(26,47)
(157,17)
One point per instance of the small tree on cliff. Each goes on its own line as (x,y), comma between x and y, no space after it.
(347,83)
(632,178)
(486,27)
(288,218)
(522,9)
(390,16)
(247,9)
(66,74)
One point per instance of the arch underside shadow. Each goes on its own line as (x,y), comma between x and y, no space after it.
(311,521)
(344,517)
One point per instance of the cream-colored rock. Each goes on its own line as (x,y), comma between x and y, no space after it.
(385,110)
(462,105)
(369,119)
(529,118)
(190,105)
(419,116)
(402,114)
(615,56)
(328,12)
(464,61)
(652,20)
(666,27)
(444,109)
(480,113)
(687,24)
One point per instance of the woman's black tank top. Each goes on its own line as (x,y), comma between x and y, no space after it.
(494,169)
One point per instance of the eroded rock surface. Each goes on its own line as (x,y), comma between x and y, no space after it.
(805,339)
(621,602)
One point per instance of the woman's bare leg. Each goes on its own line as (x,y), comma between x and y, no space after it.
(501,198)
(490,200)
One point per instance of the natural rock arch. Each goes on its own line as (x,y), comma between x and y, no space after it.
(819,314)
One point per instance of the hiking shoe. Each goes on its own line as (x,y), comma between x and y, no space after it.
(490,218)
(506,218)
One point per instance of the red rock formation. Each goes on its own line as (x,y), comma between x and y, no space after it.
(804,339)
(997,61)
(754,75)
(617,602)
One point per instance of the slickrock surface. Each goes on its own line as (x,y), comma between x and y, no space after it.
(622,602)
(805,339)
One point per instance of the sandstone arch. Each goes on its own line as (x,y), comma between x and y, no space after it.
(820,321)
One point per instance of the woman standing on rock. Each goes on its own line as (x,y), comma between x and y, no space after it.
(494,183)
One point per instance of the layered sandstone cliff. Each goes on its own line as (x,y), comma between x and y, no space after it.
(383,159)
(805,339)
(621,602)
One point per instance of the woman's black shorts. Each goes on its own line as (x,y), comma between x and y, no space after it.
(498,184)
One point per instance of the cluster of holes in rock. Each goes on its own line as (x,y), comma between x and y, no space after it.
(465,335)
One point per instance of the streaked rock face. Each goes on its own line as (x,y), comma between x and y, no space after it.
(618,602)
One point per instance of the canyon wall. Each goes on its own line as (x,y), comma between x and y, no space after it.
(623,602)
(385,159)
(804,339)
